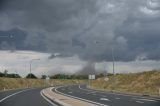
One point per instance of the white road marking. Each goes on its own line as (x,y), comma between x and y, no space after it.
(79,98)
(118,94)
(139,102)
(103,96)
(13,95)
(104,99)
(149,100)
(117,98)
(145,99)
(47,99)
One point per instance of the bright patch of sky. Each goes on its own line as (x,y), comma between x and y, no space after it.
(19,62)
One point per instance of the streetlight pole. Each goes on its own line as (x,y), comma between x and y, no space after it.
(113,59)
(31,65)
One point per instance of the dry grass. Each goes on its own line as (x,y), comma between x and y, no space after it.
(142,83)
(147,83)
(14,83)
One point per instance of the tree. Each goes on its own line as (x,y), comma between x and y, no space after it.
(13,75)
(63,76)
(30,75)
(100,75)
(43,77)
(1,74)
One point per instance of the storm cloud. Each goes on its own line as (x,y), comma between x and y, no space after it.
(87,28)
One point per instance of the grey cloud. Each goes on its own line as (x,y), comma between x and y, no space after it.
(5,45)
(88,69)
(153,4)
(87,28)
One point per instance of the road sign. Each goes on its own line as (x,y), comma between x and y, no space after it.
(92,77)
(47,78)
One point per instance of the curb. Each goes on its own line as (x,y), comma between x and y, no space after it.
(85,100)
(53,99)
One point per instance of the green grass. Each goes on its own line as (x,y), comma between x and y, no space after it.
(147,83)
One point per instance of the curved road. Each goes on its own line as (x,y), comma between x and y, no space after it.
(106,98)
(32,97)
(26,97)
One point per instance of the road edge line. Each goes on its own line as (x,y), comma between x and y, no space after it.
(121,94)
(13,94)
(47,99)
(89,101)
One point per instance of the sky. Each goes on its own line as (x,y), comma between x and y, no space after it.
(68,34)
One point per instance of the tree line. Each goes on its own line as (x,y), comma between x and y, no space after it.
(12,75)
(56,76)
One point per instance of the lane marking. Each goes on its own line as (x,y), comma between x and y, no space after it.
(139,102)
(103,96)
(105,99)
(117,98)
(143,99)
(13,95)
(78,97)
(91,90)
(149,100)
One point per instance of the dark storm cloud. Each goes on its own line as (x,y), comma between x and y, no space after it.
(87,28)
(12,38)
(143,41)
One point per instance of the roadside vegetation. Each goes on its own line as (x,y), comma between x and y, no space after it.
(145,83)
(18,83)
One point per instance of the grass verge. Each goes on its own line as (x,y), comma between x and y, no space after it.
(145,83)
(16,83)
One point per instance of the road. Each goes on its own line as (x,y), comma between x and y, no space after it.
(32,97)
(26,97)
(106,98)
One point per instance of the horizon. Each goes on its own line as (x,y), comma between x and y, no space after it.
(90,31)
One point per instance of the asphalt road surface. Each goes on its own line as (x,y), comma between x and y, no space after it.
(25,97)
(32,97)
(106,98)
